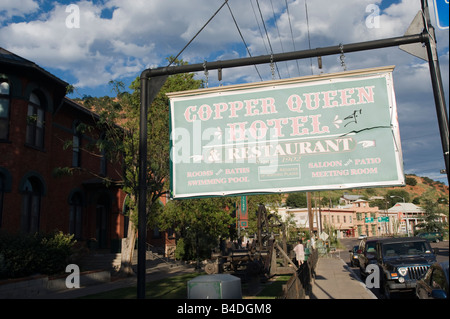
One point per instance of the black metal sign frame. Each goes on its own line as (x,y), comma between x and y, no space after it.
(153,79)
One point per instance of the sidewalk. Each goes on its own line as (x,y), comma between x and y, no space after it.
(335,280)
(151,275)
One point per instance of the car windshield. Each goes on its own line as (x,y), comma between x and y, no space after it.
(371,247)
(406,249)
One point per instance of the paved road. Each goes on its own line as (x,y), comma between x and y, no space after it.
(443,255)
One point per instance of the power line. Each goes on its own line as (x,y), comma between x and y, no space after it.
(279,36)
(292,34)
(307,27)
(259,26)
(267,34)
(242,37)
(204,26)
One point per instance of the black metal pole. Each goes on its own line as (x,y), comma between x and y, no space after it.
(436,81)
(142,199)
(295,55)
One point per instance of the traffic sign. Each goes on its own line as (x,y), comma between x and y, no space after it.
(369,219)
(441,8)
(383,219)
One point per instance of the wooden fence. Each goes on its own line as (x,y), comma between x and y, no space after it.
(300,284)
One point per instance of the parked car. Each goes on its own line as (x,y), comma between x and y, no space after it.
(354,262)
(362,236)
(402,261)
(433,236)
(366,254)
(434,285)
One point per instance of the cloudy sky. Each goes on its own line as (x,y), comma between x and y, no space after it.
(89,43)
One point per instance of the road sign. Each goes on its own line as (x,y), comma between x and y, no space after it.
(384,219)
(243,217)
(369,219)
(441,8)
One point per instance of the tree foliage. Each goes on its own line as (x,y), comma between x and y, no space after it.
(433,211)
(199,222)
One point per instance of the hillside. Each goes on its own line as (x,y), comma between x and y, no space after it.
(424,185)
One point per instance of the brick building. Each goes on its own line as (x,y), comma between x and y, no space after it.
(351,220)
(36,120)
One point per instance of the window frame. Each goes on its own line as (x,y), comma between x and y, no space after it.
(6,119)
(76,145)
(76,215)
(35,132)
(31,205)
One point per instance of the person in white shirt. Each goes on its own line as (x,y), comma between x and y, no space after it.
(299,252)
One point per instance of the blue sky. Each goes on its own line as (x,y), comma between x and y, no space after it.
(117,39)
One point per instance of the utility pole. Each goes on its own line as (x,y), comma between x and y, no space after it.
(436,81)
(310,214)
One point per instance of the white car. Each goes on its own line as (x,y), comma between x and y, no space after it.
(362,236)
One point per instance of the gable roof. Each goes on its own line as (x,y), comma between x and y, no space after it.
(405,207)
(10,59)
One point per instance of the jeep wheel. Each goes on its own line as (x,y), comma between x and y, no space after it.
(362,273)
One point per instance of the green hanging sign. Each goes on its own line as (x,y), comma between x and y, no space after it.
(324,132)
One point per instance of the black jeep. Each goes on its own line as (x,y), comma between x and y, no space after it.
(402,261)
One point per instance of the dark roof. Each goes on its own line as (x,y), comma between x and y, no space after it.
(401,240)
(80,107)
(9,58)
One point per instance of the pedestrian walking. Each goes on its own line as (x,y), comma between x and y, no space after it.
(299,252)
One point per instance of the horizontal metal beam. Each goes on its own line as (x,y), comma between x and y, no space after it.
(295,55)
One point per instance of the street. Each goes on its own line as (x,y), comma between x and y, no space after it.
(443,255)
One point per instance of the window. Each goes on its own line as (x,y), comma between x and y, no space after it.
(76,144)
(76,205)
(31,205)
(35,122)
(4,109)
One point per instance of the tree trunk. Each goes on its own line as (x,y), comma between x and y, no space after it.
(128,245)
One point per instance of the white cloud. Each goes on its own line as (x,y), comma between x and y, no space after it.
(14,8)
(118,39)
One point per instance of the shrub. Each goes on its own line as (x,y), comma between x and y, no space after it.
(411,181)
(23,255)
(180,249)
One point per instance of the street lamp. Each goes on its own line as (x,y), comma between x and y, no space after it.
(406,214)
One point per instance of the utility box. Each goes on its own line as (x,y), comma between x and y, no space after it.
(218,286)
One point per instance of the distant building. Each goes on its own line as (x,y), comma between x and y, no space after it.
(350,220)
(405,216)
(347,199)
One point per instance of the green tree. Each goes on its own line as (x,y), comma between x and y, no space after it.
(297,200)
(433,212)
(198,223)
(395,196)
